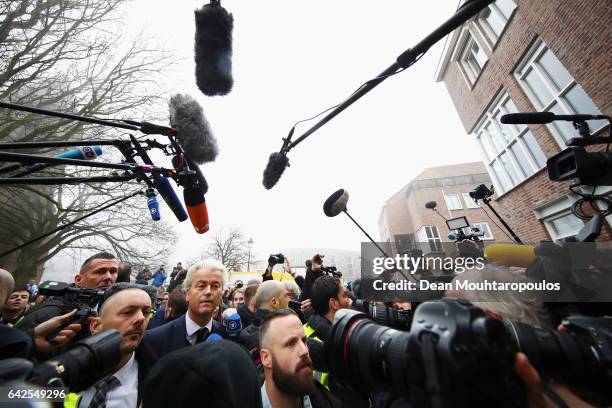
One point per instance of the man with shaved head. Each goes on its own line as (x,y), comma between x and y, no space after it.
(270,297)
(126,308)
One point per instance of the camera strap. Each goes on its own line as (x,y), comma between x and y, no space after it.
(432,383)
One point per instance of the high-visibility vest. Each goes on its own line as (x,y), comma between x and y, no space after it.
(72,400)
(319,376)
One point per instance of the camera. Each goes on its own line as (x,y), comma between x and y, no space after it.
(331,270)
(385,315)
(82,299)
(455,356)
(276,259)
(481,193)
(575,162)
(81,366)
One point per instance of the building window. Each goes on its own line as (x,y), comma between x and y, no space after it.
(484,227)
(563,225)
(429,236)
(494,18)
(469,201)
(510,152)
(470,56)
(452,201)
(551,88)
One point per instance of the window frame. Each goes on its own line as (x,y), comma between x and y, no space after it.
(531,63)
(434,243)
(466,38)
(485,28)
(469,202)
(513,135)
(446,201)
(485,237)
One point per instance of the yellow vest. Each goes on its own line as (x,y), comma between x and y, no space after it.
(72,400)
(320,376)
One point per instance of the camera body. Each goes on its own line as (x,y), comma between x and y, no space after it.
(276,259)
(331,270)
(82,299)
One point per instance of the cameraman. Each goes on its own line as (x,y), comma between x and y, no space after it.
(97,272)
(313,271)
(328,296)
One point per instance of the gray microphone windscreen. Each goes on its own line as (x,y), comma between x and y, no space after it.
(336,203)
(192,129)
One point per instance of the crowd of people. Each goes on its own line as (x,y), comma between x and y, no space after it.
(179,347)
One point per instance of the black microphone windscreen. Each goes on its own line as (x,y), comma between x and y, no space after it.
(431,205)
(336,203)
(192,130)
(213,49)
(274,170)
(535,118)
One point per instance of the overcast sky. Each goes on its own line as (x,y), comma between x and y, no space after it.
(293,59)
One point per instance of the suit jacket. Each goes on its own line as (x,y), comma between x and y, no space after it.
(173,336)
(146,360)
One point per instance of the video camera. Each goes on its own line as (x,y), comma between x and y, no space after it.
(385,315)
(82,299)
(455,356)
(85,363)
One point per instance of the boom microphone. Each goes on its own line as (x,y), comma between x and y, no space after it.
(336,203)
(163,186)
(510,254)
(213,49)
(192,130)
(277,164)
(540,118)
(431,205)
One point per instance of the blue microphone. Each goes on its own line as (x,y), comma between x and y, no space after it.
(163,186)
(213,337)
(452,236)
(82,153)
(232,322)
(153,204)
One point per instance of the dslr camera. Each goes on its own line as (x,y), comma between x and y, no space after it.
(276,259)
(82,299)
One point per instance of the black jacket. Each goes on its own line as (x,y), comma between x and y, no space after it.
(246,316)
(311,276)
(322,327)
(146,360)
(249,336)
(173,336)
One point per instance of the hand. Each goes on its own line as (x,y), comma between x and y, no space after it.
(530,377)
(64,336)
(306,304)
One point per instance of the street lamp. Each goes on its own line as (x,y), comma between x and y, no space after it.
(250,242)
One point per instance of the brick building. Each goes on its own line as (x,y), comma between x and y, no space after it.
(523,56)
(404,220)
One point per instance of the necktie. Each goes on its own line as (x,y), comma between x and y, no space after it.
(102,388)
(201,335)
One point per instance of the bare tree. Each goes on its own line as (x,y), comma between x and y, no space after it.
(230,247)
(64,55)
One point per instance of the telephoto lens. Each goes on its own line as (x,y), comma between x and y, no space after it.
(453,356)
(387,316)
(581,356)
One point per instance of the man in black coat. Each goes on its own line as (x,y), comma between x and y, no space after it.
(203,287)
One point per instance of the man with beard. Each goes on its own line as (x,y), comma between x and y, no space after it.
(287,366)
(126,308)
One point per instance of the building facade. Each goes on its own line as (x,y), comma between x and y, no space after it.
(525,56)
(404,220)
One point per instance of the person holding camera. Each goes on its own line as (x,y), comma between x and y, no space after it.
(126,308)
(97,272)
(313,271)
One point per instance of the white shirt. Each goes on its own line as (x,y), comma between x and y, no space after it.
(265,401)
(192,327)
(125,395)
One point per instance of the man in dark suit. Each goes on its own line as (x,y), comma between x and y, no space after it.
(125,307)
(203,287)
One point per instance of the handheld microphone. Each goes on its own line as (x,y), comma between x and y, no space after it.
(163,186)
(510,254)
(196,208)
(213,337)
(336,203)
(277,164)
(82,153)
(213,49)
(153,204)
(540,118)
(232,322)
(192,129)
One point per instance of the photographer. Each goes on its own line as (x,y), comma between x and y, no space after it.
(328,296)
(97,272)
(313,271)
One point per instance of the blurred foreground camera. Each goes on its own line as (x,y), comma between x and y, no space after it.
(454,356)
(575,162)
(85,363)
